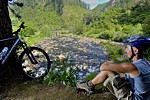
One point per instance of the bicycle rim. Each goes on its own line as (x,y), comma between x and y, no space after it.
(35,63)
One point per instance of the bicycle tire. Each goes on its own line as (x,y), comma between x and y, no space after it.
(31,70)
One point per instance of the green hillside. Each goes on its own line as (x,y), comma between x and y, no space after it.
(120,22)
(47,17)
(101,7)
(126,4)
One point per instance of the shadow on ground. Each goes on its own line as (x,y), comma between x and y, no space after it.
(34,90)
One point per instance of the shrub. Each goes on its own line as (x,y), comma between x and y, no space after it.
(146,26)
(90,76)
(113,50)
(92,31)
(27,32)
(63,72)
(105,35)
(118,36)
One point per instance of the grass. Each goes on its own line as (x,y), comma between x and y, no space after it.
(36,38)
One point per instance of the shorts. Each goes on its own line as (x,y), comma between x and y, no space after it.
(118,87)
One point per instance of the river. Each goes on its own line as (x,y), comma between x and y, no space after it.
(87,53)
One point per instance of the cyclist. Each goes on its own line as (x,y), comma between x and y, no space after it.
(134,82)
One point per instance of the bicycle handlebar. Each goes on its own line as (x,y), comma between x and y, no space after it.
(18,30)
(22,25)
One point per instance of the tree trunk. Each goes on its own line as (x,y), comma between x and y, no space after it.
(9,71)
(5,22)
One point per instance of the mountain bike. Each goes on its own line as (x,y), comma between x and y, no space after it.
(34,62)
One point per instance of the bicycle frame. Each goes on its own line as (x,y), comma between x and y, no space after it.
(23,45)
(11,50)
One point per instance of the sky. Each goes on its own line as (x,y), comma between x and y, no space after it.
(94,3)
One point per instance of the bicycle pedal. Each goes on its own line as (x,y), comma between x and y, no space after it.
(51,61)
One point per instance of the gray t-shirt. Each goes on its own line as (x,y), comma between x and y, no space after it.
(140,85)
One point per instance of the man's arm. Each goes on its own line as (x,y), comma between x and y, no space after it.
(120,68)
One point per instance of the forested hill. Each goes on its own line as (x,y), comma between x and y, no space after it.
(45,17)
(51,5)
(117,3)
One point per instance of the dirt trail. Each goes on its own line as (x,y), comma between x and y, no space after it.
(33,90)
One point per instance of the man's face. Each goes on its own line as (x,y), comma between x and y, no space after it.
(128,50)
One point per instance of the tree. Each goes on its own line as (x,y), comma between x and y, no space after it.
(9,70)
(146,26)
(5,22)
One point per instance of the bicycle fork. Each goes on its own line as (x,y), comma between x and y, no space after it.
(31,56)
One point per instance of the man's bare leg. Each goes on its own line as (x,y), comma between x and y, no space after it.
(101,77)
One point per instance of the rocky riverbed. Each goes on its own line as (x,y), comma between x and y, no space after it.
(87,53)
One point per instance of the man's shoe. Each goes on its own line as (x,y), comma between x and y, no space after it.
(84,86)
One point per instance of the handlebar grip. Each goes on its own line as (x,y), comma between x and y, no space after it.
(22,25)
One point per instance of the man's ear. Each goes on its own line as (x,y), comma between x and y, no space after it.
(136,50)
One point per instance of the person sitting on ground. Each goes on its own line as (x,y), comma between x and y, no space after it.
(127,81)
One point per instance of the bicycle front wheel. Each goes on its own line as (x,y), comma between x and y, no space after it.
(35,63)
